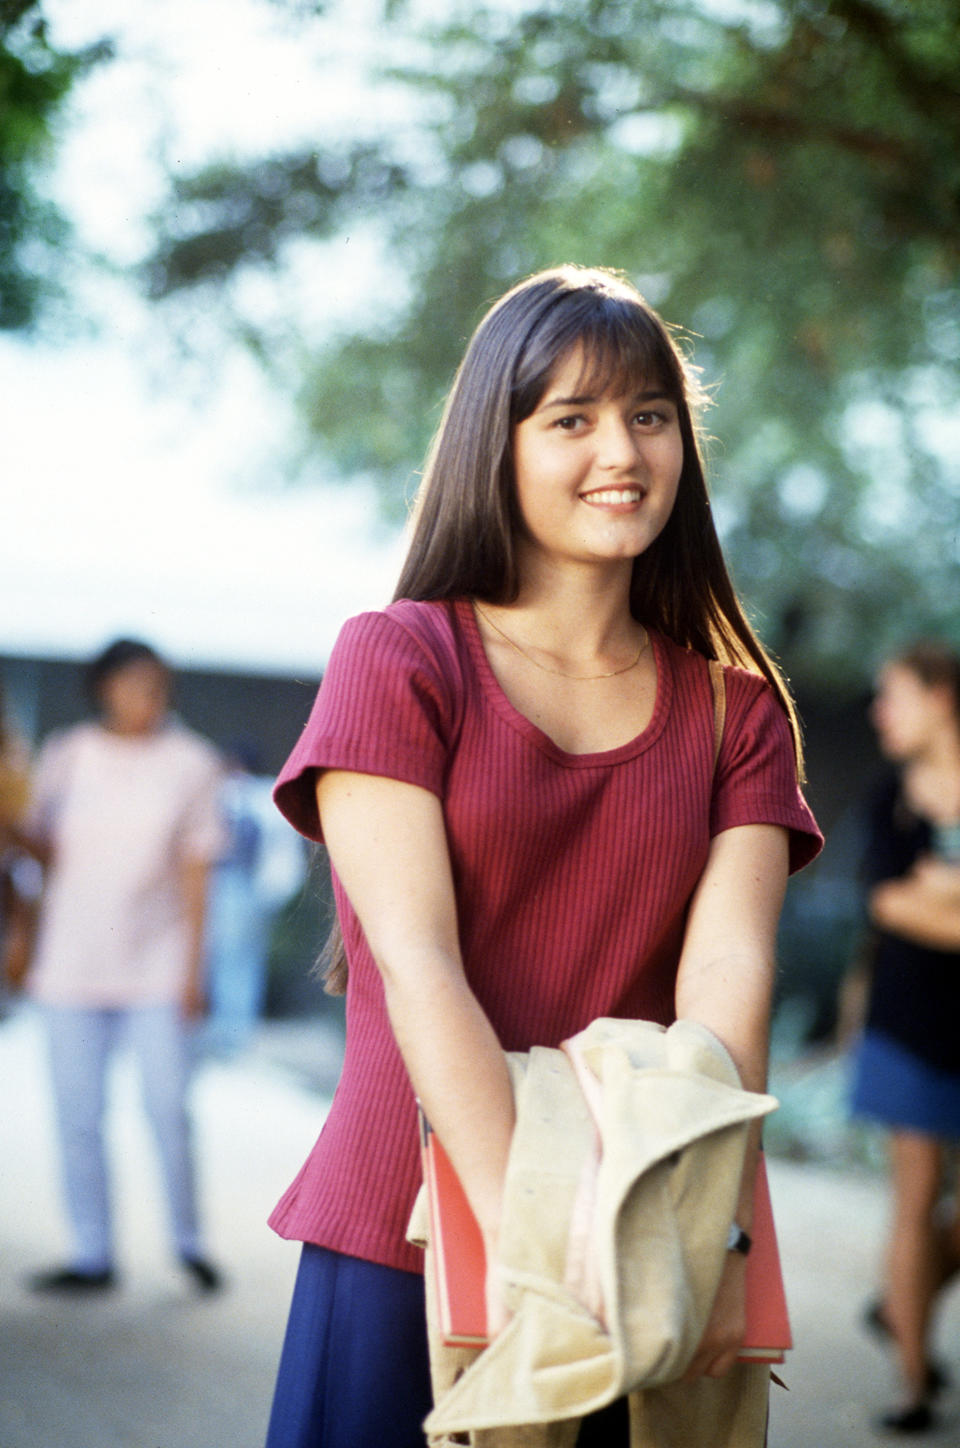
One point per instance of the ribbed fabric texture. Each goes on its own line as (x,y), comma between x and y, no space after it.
(573,872)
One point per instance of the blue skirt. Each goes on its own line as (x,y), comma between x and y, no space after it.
(894,1086)
(355,1372)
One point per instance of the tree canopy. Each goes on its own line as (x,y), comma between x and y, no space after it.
(35,79)
(782,177)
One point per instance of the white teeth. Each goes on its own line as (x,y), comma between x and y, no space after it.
(614,495)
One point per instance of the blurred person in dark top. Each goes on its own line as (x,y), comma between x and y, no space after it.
(907,1064)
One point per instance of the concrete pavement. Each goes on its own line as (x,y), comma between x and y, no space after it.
(154,1365)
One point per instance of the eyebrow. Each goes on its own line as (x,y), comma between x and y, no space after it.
(655,395)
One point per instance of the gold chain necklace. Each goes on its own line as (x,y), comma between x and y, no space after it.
(545,668)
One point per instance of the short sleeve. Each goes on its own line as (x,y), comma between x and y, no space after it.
(201,833)
(383,708)
(756,780)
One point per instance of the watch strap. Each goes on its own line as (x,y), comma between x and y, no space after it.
(738,1240)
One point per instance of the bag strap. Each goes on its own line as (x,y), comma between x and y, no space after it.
(718,685)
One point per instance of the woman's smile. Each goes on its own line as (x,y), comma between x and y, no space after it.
(614,497)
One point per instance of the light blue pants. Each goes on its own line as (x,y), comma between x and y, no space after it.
(81,1043)
(238,941)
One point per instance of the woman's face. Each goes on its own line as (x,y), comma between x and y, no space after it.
(596,476)
(136,697)
(907,713)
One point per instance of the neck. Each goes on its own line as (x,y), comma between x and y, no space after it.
(124,731)
(578,615)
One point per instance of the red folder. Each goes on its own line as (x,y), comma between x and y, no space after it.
(460,1263)
(459,1256)
(768,1321)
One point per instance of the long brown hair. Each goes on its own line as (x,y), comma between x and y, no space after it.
(467,522)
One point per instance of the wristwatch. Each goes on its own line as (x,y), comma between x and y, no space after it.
(738,1240)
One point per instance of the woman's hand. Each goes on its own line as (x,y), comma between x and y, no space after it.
(194,879)
(726,1325)
(193,1001)
(14,837)
(17,949)
(886,901)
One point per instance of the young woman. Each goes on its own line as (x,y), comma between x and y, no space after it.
(125,818)
(908,1063)
(512,770)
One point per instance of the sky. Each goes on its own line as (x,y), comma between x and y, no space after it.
(139,497)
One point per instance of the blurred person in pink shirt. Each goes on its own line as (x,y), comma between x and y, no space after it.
(124,818)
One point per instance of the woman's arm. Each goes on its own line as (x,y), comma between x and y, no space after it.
(922,907)
(725,982)
(387,842)
(194,884)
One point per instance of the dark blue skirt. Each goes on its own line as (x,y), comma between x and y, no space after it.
(893,1085)
(355,1372)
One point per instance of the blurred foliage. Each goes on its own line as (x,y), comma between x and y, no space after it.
(35,79)
(782,176)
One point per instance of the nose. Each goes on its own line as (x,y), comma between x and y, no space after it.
(617,446)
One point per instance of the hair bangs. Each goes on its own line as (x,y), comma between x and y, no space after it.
(622,349)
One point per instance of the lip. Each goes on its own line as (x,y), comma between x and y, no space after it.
(630,496)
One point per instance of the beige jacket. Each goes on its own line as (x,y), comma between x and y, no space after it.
(621,1185)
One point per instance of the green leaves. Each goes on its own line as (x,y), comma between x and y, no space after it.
(781,177)
(35,79)
(227,216)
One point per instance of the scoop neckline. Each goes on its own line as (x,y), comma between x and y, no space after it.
(533,733)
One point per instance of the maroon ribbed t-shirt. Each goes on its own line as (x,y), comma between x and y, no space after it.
(573,872)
